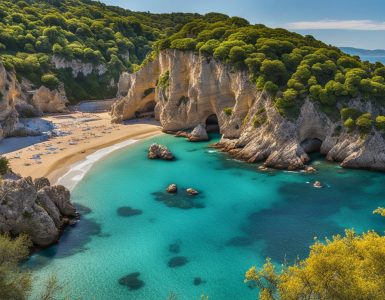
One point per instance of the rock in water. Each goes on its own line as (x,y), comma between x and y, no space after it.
(40,214)
(126,211)
(192,192)
(198,134)
(177,261)
(172,188)
(156,151)
(318,184)
(132,281)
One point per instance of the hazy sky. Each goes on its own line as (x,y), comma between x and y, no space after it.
(353,23)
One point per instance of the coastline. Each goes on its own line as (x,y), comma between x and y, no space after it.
(84,134)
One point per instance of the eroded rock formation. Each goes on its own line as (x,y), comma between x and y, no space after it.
(34,208)
(185,90)
(19,99)
(50,101)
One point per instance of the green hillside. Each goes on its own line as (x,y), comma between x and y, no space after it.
(32,31)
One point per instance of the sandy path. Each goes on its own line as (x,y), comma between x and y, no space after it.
(82,134)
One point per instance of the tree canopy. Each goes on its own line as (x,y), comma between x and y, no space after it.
(295,67)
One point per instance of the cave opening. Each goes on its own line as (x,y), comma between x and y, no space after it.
(311,145)
(212,125)
(147,111)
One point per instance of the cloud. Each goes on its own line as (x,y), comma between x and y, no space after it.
(335,24)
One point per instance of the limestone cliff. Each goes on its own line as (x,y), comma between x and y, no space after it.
(34,208)
(77,66)
(50,101)
(19,99)
(185,90)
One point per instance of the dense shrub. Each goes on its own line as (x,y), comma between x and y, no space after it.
(364,122)
(380,122)
(50,81)
(4,165)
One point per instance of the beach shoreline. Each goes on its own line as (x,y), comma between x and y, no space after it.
(83,134)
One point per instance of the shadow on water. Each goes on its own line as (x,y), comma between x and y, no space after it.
(73,240)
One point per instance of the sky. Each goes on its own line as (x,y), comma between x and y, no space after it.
(349,23)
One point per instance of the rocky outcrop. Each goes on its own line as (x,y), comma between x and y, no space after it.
(156,151)
(77,66)
(199,134)
(9,91)
(186,90)
(34,208)
(50,101)
(19,99)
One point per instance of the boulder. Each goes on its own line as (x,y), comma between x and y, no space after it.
(41,182)
(172,188)
(192,192)
(318,184)
(199,134)
(39,214)
(156,151)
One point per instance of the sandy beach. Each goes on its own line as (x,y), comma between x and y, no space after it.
(79,135)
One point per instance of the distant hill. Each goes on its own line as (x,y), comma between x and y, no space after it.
(370,55)
(365,52)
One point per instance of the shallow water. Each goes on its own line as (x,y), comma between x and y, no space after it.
(248,215)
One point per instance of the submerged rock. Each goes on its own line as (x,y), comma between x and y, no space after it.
(126,211)
(172,188)
(174,247)
(40,214)
(132,281)
(156,151)
(177,261)
(180,199)
(199,134)
(198,281)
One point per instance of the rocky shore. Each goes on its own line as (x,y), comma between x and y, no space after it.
(35,208)
(194,89)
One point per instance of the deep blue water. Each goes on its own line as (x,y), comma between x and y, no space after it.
(243,215)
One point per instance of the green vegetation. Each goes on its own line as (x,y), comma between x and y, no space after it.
(380,122)
(287,65)
(32,32)
(16,282)
(164,80)
(4,165)
(260,117)
(345,267)
(228,111)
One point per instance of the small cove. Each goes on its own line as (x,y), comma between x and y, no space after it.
(245,216)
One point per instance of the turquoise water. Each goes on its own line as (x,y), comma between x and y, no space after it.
(247,215)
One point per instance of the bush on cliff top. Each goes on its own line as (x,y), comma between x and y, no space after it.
(288,65)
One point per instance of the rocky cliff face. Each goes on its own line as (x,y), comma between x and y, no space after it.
(19,99)
(77,66)
(34,208)
(50,101)
(185,90)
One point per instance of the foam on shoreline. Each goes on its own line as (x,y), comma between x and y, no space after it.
(78,170)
